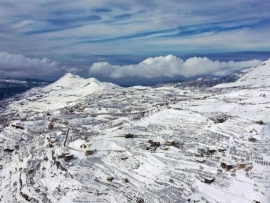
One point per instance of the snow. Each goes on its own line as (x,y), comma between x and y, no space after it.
(256,77)
(65,91)
(77,144)
(105,144)
(50,183)
(155,173)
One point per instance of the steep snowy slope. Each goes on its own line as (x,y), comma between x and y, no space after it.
(256,77)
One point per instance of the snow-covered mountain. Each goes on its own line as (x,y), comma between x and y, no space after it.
(81,140)
(68,90)
(80,86)
(205,81)
(255,77)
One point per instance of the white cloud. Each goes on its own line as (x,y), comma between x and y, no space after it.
(170,66)
(15,65)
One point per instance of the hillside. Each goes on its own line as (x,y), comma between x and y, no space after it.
(256,77)
(80,140)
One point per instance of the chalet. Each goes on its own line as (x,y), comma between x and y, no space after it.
(142,114)
(220,120)
(63,122)
(83,146)
(154,144)
(125,180)
(68,157)
(170,143)
(249,167)
(17,127)
(23,118)
(31,170)
(208,180)
(8,149)
(210,151)
(252,139)
(241,165)
(226,165)
(129,135)
(110,178)
(81,108)
(222,149)
(124,157)
(200,160)
(50,126)
(259,122)
(89,152)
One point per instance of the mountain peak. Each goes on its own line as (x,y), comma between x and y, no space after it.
(71,75)
(76,85)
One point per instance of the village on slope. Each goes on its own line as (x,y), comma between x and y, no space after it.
(80,139)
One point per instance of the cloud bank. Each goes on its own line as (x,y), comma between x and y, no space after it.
(170,66)
(15,65)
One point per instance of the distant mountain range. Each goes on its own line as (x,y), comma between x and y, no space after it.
(205,81)
(12,86)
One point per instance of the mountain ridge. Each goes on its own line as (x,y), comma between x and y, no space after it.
(254,77)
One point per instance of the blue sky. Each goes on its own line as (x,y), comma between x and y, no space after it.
(79,33)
